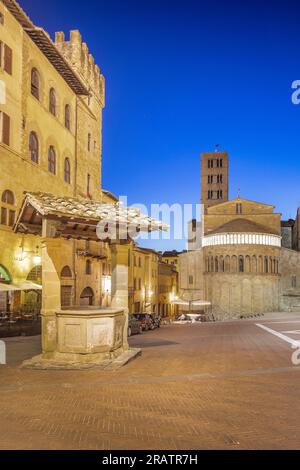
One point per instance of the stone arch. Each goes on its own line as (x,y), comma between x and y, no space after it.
(227,264)
(211,264)
(87,297)
(254,264)
(66,272)
(234,264)
(260,265)
(247,264)
(241,264)
(221,264)
(35,275)
(266,265)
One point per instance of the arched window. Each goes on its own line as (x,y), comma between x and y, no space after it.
(35,83)
(266,265)
(88,267)
(89,142)
(241,264)
(254,264)
(66,272)
(67,171)
(8,212)
(52,102)
(216,264)
(34,147)
(52,160)
(68,116)
(233,267)
(247,264)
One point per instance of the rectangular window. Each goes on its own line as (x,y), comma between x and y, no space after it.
(191,280)
(3,216)
(140,284)
(11,220)
(1,19)
(8,59)
(221,163)
(208,195)
(294,282)
(4,128)
(218,163)
(239,208)
(88,185)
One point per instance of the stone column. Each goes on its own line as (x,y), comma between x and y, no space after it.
(51,302)
(119,284)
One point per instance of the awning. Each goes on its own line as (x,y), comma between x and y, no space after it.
(22,286)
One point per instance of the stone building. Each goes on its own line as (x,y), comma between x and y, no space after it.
(214,178)
(51,142)
(242,266)
(171,257)
(167,290)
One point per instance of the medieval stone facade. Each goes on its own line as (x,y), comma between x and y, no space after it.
(242,267)
(51,141)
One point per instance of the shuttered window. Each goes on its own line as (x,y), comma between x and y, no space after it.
(8,59)
(66,296)
(4,128)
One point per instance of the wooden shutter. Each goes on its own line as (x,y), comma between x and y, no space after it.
(8,59)
(66,296)
(5,129)
(11,220)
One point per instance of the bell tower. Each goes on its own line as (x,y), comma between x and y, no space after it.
(214,178)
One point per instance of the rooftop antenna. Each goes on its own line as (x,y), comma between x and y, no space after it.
(217,148)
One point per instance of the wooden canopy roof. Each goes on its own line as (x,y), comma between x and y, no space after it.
(79,218)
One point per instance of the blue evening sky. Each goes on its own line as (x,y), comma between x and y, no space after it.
(182,76)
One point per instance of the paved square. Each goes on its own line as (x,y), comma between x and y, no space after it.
(205,386)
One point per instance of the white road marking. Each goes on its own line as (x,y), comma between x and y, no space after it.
(282,322)
(293,342)
(292,332)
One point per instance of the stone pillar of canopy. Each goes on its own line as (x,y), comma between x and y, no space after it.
(51,299)
(119,282)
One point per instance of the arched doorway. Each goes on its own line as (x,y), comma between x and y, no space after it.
(87,297)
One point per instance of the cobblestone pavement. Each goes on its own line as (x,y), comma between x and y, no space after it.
(205,386)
